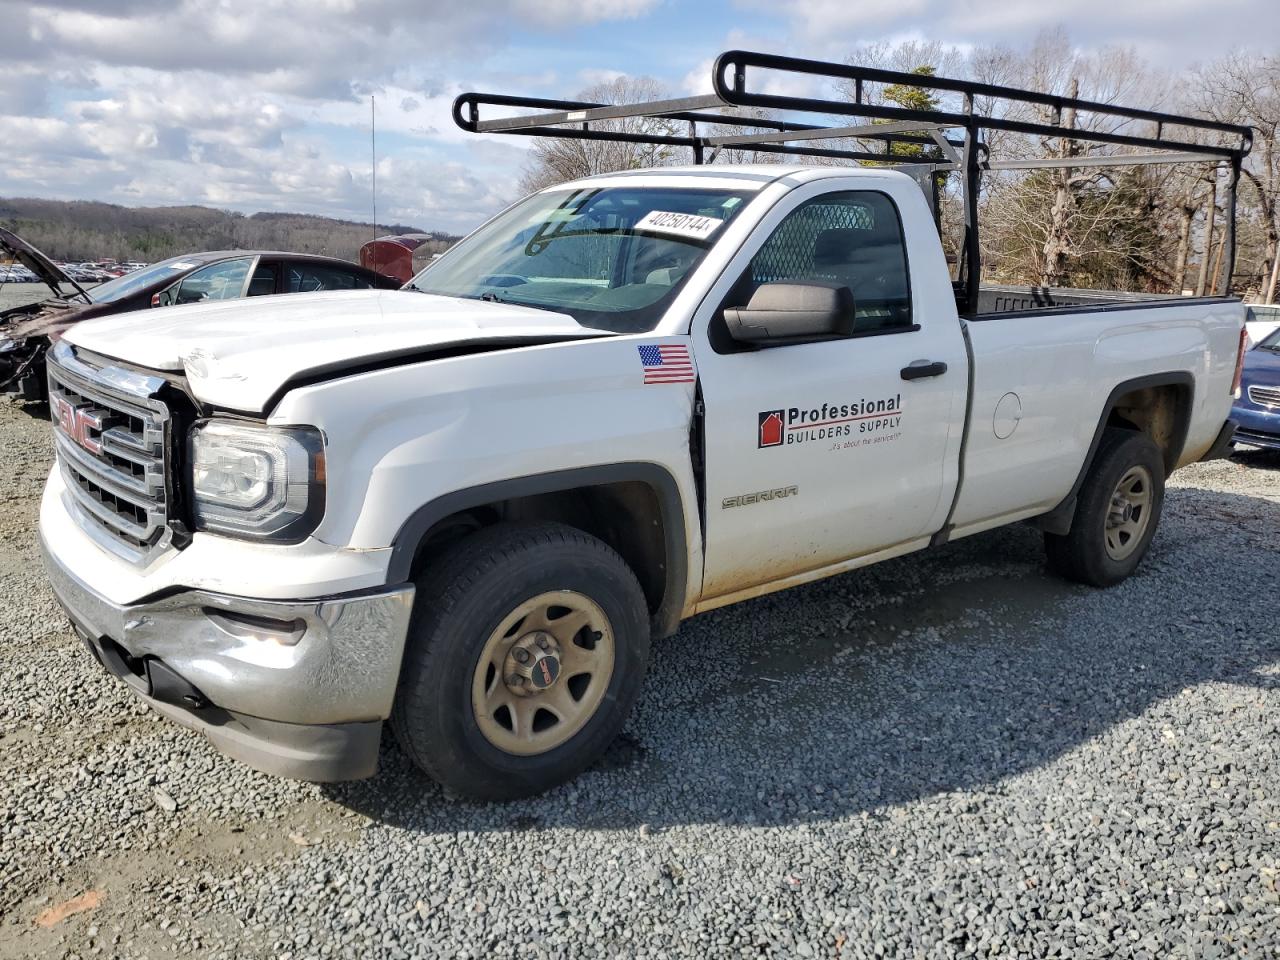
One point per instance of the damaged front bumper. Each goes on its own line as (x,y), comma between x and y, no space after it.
(21,368)
(293,688)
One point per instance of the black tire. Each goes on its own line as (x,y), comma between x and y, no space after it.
(1081,554)
(462,599)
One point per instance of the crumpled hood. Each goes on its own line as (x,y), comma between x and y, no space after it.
(239,353)
(49,318)
(12,245)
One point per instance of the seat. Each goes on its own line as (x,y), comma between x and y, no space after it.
(870,262)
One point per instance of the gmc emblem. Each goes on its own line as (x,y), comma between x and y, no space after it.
(76,422)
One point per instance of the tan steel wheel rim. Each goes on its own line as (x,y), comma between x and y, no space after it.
(1130,513)
(543,673)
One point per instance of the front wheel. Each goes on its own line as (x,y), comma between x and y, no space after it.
(1117,512)
(527,649)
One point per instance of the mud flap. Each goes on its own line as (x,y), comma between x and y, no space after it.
(1222,446)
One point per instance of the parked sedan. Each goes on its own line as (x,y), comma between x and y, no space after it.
(27,331)
(1257,409)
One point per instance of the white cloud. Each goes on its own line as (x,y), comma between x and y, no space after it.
(1173,33)
(208,101)
(320,48)
(118,158)
(555,12)
(266,105)
(594,77)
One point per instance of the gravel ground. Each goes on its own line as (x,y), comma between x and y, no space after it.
(17,294)
(948,754)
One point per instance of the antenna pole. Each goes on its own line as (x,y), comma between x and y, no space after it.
(373,161)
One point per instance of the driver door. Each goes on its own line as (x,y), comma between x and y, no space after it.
(821,452)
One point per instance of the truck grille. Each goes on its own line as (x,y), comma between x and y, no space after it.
(1266,396)
(111,437)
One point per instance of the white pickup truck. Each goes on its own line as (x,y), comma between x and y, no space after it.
(467,506)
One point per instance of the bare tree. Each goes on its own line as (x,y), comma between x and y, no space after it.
(1245,88)
(736,154)
(86,230)
(556,160)
(905,57)
(1077,225)
(1068,225)
(1058,242)
(1187,203)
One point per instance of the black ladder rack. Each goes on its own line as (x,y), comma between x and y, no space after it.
(954,135)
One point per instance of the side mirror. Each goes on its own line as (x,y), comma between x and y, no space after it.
(165,296)
(793,312)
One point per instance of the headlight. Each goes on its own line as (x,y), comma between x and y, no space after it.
(263,483)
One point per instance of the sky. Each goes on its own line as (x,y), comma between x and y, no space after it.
(266,105)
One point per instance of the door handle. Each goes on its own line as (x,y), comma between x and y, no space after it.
(919,369)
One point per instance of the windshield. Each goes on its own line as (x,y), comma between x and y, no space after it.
(131,283)
(612,258)
(1271,341)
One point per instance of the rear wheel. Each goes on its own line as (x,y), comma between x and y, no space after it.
(1117,512)
(527,649)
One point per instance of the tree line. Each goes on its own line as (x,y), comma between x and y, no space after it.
(1154,228)
(79,231)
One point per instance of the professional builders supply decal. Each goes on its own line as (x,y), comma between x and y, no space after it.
(678,224)
(666,363)
(843,425)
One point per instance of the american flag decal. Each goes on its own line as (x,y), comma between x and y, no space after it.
(666,363)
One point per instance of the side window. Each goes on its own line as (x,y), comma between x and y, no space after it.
(854,239)
(264,280)
(218,281)
(310,277)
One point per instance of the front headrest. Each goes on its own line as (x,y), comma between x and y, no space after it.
(839,244)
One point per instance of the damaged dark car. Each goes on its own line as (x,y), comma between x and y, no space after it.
(27,331)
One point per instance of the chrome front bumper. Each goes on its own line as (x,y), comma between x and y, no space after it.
(298,689)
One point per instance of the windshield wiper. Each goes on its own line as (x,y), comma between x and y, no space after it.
(490,297)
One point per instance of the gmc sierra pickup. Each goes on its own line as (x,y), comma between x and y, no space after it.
(467,506)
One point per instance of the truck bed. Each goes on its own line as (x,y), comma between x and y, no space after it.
(1003,300)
